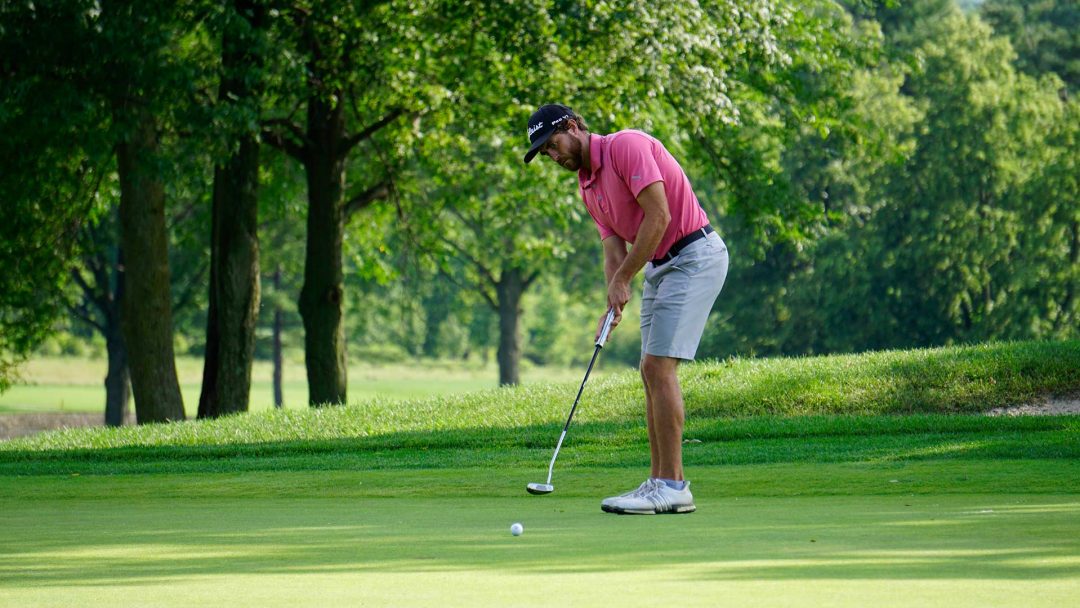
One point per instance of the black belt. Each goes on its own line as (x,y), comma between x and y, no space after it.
(681,244)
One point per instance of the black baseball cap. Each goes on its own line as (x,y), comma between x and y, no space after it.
(542,124)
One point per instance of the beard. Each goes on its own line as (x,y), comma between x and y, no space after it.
(573,161)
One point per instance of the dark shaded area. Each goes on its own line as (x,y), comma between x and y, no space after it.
(712,441)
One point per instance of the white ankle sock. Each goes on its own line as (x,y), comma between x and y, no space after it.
(675,485)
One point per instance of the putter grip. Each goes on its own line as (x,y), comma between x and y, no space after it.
(604,331)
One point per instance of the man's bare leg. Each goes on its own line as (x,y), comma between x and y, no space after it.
(665,415)
(654,454)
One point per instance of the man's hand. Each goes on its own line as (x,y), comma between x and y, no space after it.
(618,295)
(600,325)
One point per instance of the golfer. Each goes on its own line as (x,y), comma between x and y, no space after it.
(648,217)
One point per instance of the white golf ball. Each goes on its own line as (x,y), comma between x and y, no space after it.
(517,529)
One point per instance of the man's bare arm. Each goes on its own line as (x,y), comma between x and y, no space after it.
(654,202)
(614,255)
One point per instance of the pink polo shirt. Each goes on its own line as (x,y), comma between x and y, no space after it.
(623,164)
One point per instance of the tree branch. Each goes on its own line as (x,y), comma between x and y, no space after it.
(483,292)
(292,141)
(82,313)
(347,144)
(484,271)
(378,192)
(80,280)
(183,214)
(477,227)
(189,291)
(529,280)
(90,295)
(723,164)
(103,298)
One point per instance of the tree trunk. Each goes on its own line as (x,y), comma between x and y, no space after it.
(510,289)
(103,257)
(321,295)
(208,396)
(436,312)
(234,251)
(118,379)
(117,382)
(147,309)
(234,286)
(279,395)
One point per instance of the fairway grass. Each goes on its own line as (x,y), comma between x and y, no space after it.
(76,385)
(848,481)
(953,534)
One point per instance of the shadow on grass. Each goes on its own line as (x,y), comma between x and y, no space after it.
(712,441)
(849,538)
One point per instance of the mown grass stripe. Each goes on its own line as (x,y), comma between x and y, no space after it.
(853,408)
(593,446)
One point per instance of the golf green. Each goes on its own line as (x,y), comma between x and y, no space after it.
(882,535)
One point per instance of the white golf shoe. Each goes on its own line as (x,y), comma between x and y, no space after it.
(610,504)
(651,498)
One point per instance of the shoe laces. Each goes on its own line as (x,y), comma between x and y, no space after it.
(647,488)
(656,496)
(640,491)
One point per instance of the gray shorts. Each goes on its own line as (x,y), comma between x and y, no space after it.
(678,297)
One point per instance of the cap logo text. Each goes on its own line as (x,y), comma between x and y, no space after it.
(534,128)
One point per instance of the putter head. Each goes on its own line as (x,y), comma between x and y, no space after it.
(539,488)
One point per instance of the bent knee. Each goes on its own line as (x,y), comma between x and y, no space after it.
(655,368)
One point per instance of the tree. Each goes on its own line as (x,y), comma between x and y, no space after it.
(147,310)
(351,58)
(500,244)
(1047,302)
(54,157)
(234,263)
(100,279)
(281,194)
(672,70)
(969,238)
(953,233)
(110,71)
(1044,33)
(136,51)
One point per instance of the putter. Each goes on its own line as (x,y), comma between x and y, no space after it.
(547,488)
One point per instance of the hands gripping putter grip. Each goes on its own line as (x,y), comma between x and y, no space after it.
(547,488)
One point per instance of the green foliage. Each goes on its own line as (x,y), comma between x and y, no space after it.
(948,213)
(1044,33)
(54,161)
(671,70)
(884,173)
(952,239)
(800,89)
(67,68)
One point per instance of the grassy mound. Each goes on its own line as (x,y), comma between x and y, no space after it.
(842,406)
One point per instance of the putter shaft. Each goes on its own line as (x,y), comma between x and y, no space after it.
(601,339)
